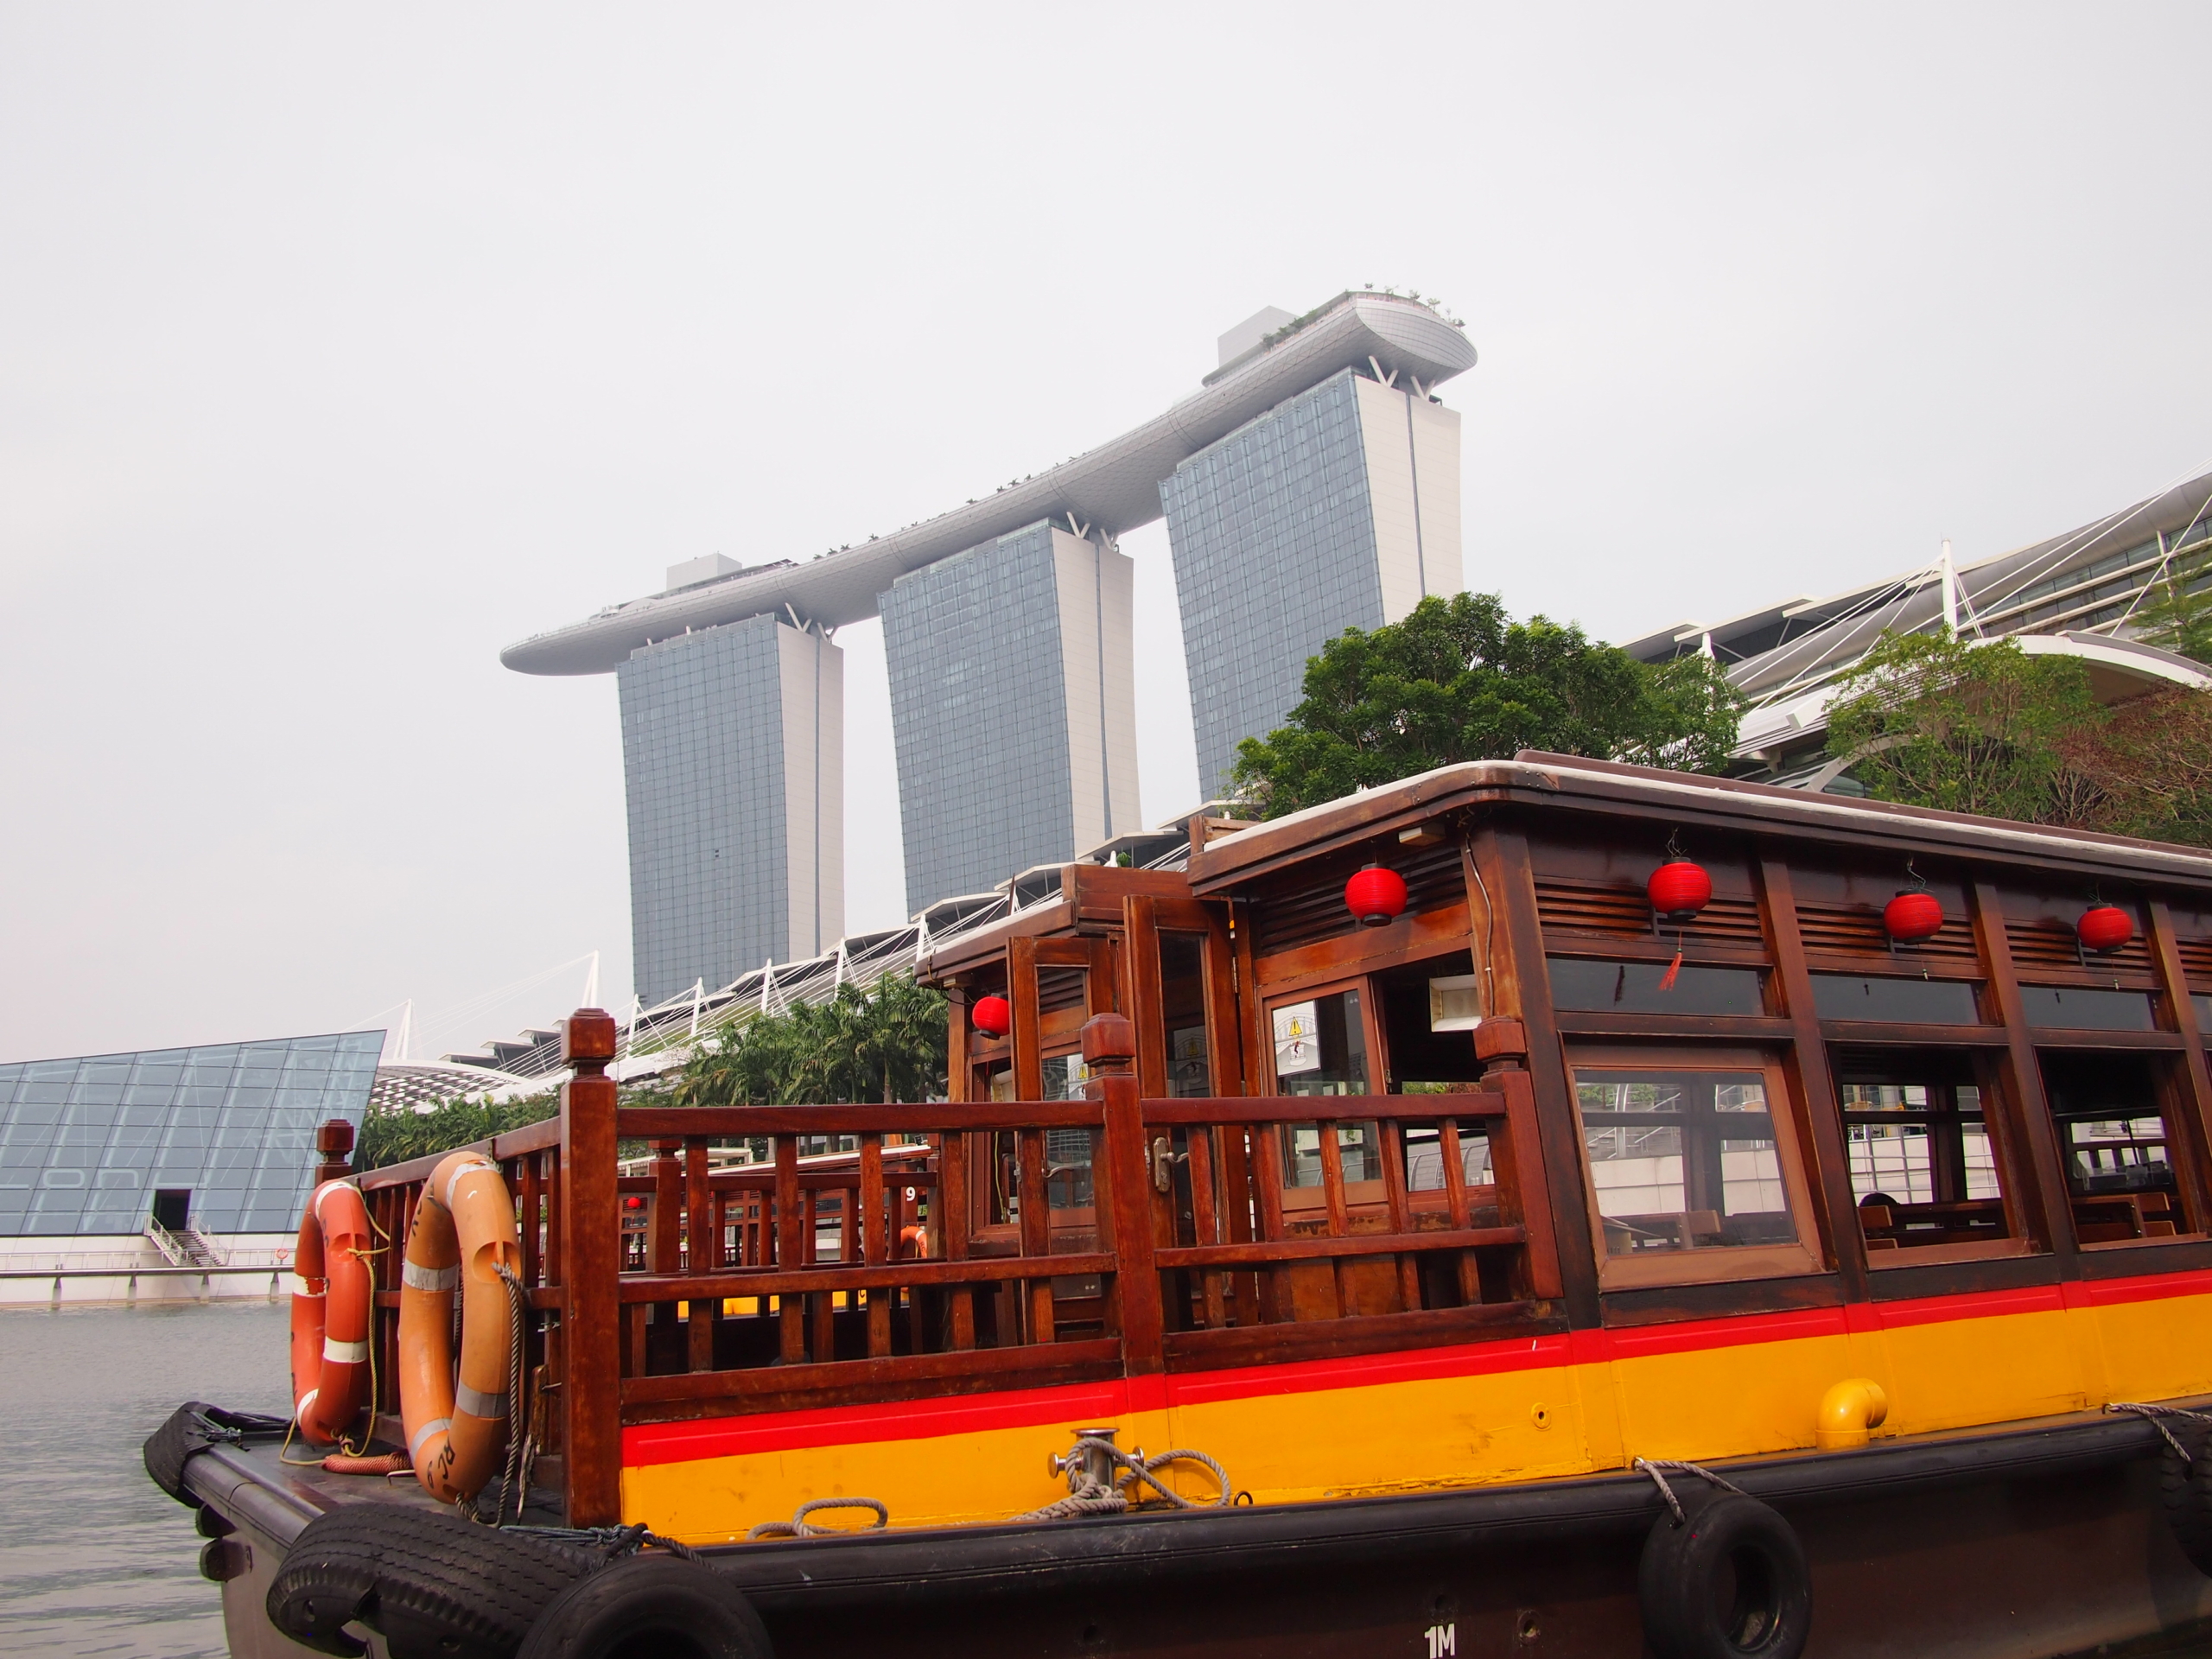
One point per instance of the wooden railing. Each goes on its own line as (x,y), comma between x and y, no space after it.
(877,1253)
(1338,1263)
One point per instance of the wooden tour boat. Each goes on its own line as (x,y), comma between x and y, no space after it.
(1555,1252)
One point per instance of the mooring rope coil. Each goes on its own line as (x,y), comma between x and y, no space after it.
(797,1526)
(1088,1494)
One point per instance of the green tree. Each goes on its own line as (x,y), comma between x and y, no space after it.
(1970,726)
(886,1043)
(2177,613)
(395,1134)
(1457,680)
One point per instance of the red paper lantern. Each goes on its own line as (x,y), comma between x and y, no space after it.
(993,1015)
(1913,915)
(1376,896)
(1679,890)
(2105,927)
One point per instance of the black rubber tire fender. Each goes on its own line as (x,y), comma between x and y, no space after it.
(650,1606)
(2185,1490)
(433,1585)
(1730,1582)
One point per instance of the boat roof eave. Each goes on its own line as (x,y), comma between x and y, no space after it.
(1556,780)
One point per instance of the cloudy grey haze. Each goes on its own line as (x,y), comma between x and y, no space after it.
(339,349)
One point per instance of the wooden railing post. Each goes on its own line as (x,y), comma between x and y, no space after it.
(1517,1161)
(591,1393)
(334,1146)
(1109,1046)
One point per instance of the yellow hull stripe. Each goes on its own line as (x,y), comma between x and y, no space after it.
(1423,1420)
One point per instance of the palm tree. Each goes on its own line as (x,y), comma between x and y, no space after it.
(887,1043)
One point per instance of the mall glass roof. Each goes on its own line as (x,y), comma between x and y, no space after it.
(86,1143)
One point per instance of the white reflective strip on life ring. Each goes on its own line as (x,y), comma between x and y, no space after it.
(320,1193)
(307,1402)
(435,1426)
(431,1279)
(299,1288)
(491,1406)
(454,1179)
(345,1353)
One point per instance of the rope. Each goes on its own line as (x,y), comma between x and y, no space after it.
(510,1476)
(618,1542)
(1088,1496)
(796,1527)
(350,1462)
(1658,1469)
(2151,1415)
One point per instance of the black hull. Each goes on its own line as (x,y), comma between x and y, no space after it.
(2035,1541)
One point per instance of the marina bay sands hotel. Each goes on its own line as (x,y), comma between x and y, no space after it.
(1311,484)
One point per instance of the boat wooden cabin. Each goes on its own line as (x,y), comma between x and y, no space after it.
(1420,1160)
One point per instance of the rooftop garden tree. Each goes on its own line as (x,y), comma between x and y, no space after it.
(1459,680)
(1982,726)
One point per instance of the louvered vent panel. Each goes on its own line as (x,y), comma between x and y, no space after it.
(1286,920)
(1587,908)
(2045,944)
(2196,959)
(1857,931)
(1060,988)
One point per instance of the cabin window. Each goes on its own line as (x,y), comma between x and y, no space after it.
(1065,1076)
(1358,1146)
(2111,1136)
(1896,999)
(1590,985)
(1322,1049)
(1183,1009)
(2204,1013)
(1694,1172)
(1068,1159)
(1427,1012)
(1425,1158)
(1924,1170)
(2079,1008)
(1320,1046)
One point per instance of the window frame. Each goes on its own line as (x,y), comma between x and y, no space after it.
(2169,1096)
(1717,1264)
(1361,1196)
(1997,1124)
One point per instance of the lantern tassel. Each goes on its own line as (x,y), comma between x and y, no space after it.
(1666,979)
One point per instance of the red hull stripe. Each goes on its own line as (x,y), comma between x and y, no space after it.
(722,1437)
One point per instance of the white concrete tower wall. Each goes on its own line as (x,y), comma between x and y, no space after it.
(812,681)
(1412,447)
(1096,588)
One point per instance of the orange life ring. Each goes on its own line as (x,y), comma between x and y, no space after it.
(464,1231)
(914,1243)
(331,1293)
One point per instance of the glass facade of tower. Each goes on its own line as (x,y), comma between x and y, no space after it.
(979,710)
(223,1136)
(703,767)
(1273,535)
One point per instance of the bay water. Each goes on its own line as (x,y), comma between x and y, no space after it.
(94,1558)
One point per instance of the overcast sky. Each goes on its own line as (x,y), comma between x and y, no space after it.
(341,346)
